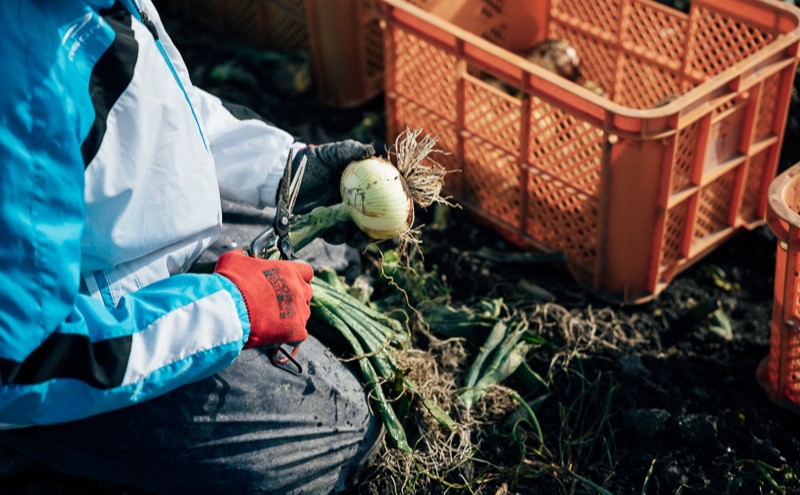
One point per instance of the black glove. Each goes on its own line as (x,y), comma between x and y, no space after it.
(326,162)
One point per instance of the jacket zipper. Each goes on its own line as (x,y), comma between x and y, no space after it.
(144,19)
(148,23)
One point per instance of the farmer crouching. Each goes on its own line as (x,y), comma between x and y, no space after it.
(115,363)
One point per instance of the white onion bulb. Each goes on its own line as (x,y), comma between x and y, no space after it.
(378,198)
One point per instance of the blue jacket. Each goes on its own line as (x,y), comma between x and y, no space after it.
(113,165)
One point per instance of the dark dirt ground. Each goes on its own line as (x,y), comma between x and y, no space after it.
(656,402)
(684,397)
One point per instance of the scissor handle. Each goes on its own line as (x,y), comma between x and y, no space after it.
(262,241)
(289,357)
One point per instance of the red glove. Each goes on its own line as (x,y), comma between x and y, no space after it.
(277,295)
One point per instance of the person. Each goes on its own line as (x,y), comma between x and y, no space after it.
(116,363)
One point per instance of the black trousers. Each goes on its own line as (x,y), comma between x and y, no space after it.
(252,428)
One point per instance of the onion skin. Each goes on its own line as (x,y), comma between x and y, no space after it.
(378,198)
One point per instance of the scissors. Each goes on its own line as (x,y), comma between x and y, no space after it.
(277,235)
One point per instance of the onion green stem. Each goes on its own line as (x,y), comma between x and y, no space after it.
(382,323)
(494,339)
(507,354)
(305,228)
(374,346)
(392,423)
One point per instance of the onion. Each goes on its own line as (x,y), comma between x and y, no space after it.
(379,200)
(379,196)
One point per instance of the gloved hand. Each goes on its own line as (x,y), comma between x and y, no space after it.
(277,295)
(324,167)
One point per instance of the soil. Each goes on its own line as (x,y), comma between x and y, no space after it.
(685,399)
(657,398)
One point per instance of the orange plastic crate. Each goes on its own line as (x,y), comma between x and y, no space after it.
(344,38)
(632,194)
(779,373)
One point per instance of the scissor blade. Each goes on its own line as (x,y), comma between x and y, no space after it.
(284,196)
(294,188)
